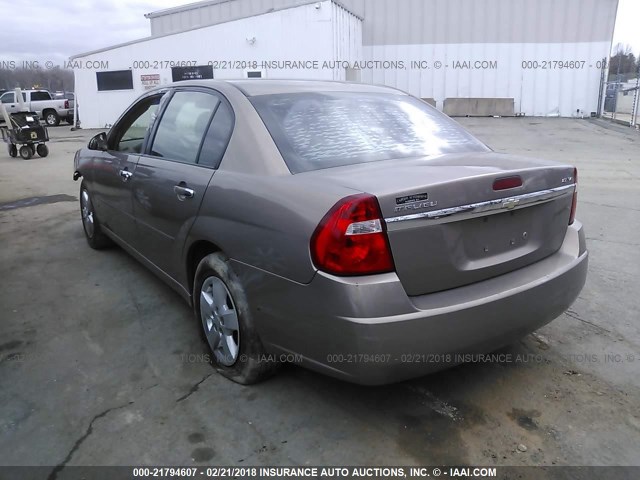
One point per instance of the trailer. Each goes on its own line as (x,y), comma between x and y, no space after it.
(23,132)
(25,135)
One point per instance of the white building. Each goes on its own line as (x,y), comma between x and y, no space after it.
(468,57)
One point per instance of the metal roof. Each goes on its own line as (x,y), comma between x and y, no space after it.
(430,22)
(207,3)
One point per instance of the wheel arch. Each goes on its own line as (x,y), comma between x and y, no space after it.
(196,252)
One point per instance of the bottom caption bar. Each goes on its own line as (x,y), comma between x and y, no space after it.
(304,472)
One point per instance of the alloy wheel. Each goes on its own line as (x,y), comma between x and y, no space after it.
(87,214)
(220,321)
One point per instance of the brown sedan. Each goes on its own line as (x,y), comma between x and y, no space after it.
(352,228)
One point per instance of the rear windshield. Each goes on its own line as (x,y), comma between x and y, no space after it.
(330,129)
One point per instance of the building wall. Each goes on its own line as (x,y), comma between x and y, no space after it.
(549,91)
(347,39)
(304,32)
(507,32)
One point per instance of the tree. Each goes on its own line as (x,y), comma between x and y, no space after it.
(623,63)
(54,79)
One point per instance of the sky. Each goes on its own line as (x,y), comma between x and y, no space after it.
(63,28)
(67,27)
(627,29)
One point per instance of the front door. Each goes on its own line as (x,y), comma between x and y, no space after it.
(114,169)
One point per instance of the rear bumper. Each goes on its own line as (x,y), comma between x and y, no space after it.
(368,331)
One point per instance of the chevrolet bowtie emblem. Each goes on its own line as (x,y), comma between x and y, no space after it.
(510,204)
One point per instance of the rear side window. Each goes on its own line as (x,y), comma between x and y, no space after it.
(183,125)
(329,129)
(217,139)
(35,96)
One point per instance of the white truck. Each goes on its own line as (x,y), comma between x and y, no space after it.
(42,103)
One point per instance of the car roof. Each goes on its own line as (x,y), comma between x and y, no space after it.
(254,87)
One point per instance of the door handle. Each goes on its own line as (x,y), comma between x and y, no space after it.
(183,192)
(126,175)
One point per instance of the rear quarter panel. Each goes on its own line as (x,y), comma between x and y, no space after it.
(265,222)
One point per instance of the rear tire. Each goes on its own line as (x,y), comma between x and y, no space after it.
(26,152)
(42,150)
(92,231)
(52,118)
(13,151)
(220,306)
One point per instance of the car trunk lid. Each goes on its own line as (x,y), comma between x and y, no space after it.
(448,226)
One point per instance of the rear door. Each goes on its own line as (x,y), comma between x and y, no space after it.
(173,175)
(114,169)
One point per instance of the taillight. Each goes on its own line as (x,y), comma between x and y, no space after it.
(574,204)
(351,239)
(66,104)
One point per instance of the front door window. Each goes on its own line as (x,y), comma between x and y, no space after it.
(131,131)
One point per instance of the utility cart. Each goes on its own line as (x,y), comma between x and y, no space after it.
(25,135)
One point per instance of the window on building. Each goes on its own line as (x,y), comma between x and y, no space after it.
(197,72)
(115,80)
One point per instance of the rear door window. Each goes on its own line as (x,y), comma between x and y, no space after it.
(183,125)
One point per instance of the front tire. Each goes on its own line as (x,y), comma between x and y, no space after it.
(220,306)
(13,151)
(92,231)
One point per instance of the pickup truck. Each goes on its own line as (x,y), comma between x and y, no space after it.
(42,103)
(72,100)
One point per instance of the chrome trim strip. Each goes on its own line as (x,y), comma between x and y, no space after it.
(506,204)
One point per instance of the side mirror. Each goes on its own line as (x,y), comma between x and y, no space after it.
(99,142)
